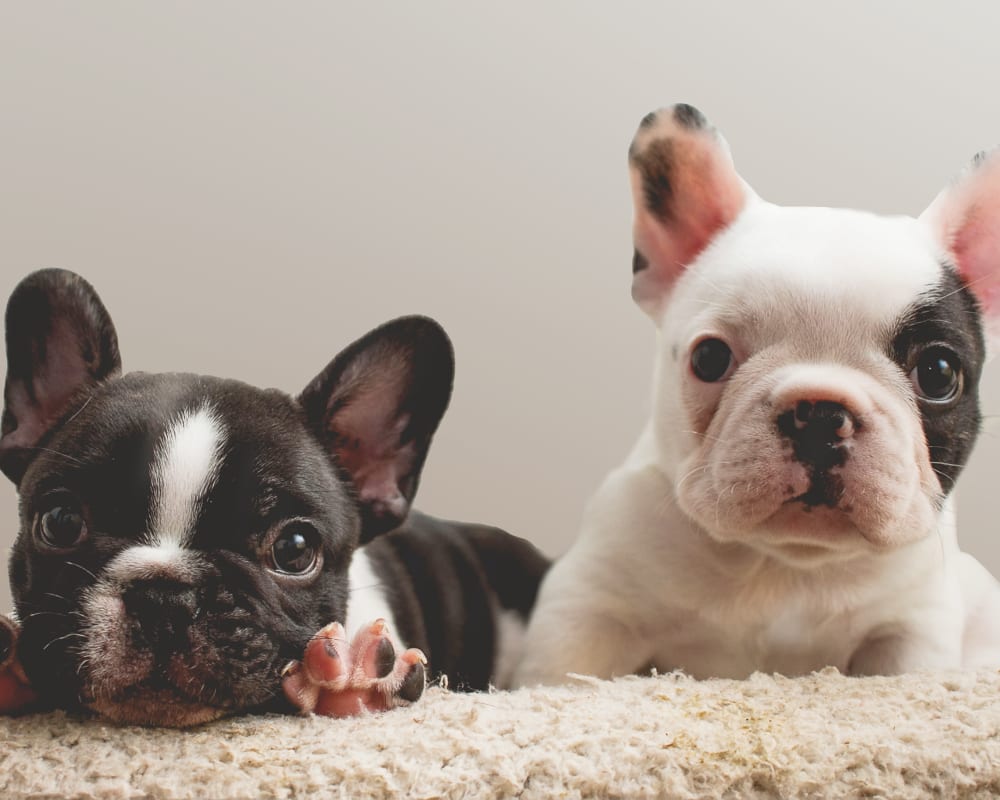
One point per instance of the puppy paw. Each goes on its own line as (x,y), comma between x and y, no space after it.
(340,679)
(15,692)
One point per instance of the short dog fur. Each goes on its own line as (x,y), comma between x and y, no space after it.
(789,505)
(191,546)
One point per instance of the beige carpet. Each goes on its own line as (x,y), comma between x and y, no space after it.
(823,736)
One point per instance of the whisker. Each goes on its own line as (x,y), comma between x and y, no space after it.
(80,409)
(47,613)
(378,585)
(61,638)
(964,286)
(81,567)
(704,435)
(56,452)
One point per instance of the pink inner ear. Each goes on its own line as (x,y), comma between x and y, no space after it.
(976,247)
(366,434)
(705,196)
(59,378)
(966,219)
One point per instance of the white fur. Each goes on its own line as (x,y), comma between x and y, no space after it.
(688,559)
(367,601)
(511,632)
(147,562)
(185,468)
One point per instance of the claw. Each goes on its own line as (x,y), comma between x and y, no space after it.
(339,679)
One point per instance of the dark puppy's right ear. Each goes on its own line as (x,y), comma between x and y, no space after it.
(60,339)
(685,191)
(375,408)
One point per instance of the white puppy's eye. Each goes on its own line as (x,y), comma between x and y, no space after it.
(62,526)
(711,360)
(937,376)
(296,550)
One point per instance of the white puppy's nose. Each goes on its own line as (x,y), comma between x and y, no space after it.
(817,431)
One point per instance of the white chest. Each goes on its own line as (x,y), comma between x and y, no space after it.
(791,642)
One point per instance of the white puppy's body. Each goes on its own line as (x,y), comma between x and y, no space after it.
(793,511)
(644,586)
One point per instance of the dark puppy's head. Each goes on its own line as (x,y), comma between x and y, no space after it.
(182,537)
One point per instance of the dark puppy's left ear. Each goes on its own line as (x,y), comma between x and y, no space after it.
(376,406)
(60,340)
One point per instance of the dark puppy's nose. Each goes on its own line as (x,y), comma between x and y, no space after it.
(162,611)
(817,431)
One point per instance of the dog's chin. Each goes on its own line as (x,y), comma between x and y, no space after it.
(798,534)
(160,707)
(799,537)
(807,536)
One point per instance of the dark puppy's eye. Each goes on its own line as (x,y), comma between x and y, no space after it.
(937,376)
(710,360)
(296,549)
(62,526)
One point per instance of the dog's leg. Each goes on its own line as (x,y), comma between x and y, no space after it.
(340,679)
(589,645)
(578,627)
(981,598)
(15,692)
(903,651)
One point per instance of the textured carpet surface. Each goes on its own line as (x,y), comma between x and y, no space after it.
(934,735)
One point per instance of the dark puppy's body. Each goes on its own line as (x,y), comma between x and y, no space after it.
(448,585)
(183,538)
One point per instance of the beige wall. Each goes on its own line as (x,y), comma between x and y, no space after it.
(251,185)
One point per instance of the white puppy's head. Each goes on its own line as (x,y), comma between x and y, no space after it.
(816,387)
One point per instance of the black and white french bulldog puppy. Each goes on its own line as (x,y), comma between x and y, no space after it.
(184,538)
(789,504)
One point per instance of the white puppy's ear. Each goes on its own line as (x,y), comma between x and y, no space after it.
(685,190)
(965,218)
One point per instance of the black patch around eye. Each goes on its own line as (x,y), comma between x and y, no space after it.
(948,315)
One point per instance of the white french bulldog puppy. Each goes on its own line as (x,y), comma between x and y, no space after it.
(789,504)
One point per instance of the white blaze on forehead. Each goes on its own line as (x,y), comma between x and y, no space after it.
(185,468)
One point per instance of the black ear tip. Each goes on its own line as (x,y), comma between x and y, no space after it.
(420,326)
(44,287)
(50,279)
(424,335)
(47,298)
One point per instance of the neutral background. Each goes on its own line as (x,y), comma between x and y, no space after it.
(252,185)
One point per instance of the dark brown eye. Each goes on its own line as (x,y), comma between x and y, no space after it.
(937,376)
(296,549)
(62,526)
(710,360)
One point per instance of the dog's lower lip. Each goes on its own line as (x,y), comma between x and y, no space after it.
(812,525)
(157,708)
(153,703)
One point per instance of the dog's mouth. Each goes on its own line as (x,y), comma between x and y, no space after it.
(148,705)
(826,488)
(168,696)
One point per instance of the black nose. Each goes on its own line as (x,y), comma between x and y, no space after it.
(162,612)
(817,432)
